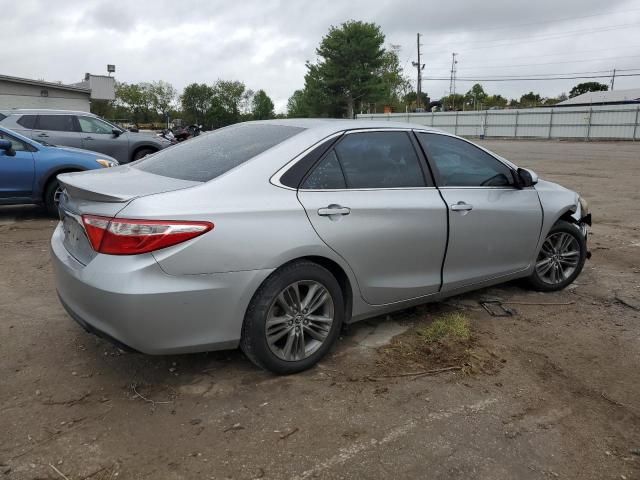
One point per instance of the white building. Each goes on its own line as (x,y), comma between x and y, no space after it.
(25,93)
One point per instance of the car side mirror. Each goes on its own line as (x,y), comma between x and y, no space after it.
(7,147)
(116,132)
(527,178)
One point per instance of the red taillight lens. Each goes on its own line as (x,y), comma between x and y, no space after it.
(123,236)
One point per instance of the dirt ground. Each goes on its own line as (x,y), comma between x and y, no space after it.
(561,400)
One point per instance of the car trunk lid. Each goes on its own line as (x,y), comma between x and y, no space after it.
(104,193)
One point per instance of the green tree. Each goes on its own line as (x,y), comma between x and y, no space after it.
(495,101)
(163,96)
(588,87)
(262,106)
(228,97)
(393,84)
(348,71)
(530,100)
(196,102)
(134,98)
(475,97)
(410,99)
(297,106)
(453,102)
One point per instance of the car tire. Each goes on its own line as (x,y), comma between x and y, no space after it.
(51,193)
(143,152)
(283,339)
(560,259)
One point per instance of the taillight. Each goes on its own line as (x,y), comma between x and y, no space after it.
(124,236)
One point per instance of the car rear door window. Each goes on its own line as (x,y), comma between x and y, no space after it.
(57,123)
(327,175)
(460,164)
(27,121)
(208,156)
(379,160)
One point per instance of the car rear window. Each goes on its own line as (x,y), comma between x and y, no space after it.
(27,121)
(210,155)
(2,116)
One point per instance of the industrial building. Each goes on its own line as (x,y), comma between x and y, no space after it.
(615,97)
(18,92)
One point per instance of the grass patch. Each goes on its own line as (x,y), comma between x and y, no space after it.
(453,326)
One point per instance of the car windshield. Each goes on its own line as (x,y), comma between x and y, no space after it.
(208,156)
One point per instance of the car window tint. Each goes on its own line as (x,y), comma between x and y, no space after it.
(327,175)
(59,123)
(207,156)
(16,144)
(2,116)
(94,125)
(379,160)
(27,121)
(461,164)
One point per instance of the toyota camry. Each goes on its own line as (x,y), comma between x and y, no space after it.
(271,235)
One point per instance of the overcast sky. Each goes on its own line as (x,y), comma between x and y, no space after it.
(265,43)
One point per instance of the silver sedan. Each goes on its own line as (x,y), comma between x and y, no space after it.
(272,235)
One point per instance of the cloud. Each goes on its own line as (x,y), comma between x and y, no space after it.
(265,43)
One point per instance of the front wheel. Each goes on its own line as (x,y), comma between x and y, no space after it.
(560,259)
(143,152)
(293,319)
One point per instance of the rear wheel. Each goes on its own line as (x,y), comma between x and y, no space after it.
(560,259)
(52,197)
(293,319)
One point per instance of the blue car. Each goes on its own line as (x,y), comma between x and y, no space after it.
(28,169)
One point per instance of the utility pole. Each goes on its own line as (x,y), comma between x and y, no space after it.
(420,67)
(613,79)
(452,81)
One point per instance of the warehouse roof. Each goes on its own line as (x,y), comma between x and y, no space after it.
(40,83)
(599,98)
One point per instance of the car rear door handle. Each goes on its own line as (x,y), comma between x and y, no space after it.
(43,135)
(461,207)
(333,210)
(88,138)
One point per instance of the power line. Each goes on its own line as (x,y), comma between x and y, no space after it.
(519,79)
(484,67)
(520,40)
(563,73)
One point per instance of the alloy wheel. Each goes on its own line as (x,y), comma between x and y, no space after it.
(558,258)
(299,320)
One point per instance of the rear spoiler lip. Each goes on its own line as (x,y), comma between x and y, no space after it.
(94,196)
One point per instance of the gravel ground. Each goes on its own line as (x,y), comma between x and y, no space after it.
(562,401)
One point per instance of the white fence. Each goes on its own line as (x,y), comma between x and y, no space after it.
(609,122)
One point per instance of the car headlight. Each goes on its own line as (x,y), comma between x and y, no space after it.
(107,163)
(584,206)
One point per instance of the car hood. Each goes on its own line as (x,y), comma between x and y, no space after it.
(77,152)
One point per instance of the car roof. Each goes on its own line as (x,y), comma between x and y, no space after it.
(344,124)
(45,111)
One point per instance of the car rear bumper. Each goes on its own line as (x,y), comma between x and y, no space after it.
(130,300)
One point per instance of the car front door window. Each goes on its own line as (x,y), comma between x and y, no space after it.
(461,164)
(94,125)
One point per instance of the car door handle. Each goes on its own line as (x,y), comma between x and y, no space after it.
(461,207)
(43,135)
(333,210)
(88,138)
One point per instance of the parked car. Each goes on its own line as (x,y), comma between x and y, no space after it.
(271,235)
(28,169)
(83,130)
